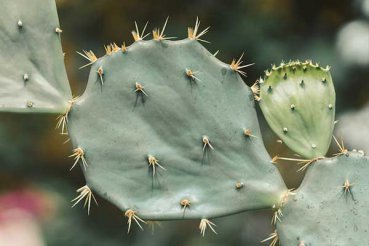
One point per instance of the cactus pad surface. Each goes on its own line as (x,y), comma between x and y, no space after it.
(162,125)
(298,102)
(32,75)
(331,205)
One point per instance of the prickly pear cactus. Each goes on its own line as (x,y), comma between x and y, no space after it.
(331,205)
(32,76)
(167,131)
(298,102)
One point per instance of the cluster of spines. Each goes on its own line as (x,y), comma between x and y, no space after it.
(153,164)
(291,66)
(152,161)
(158,35)
(307,162)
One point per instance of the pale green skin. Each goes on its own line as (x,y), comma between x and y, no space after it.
(321,213)
(312,121)
(32,49)
(117,135)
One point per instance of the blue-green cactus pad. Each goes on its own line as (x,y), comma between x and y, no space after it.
(119,127)
(323,212)
(32,75)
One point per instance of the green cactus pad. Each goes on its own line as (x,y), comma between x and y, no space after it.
(32,75)
(298,102)
(323,211)
(175,103)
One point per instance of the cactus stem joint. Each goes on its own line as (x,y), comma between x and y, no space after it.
(304,162)
(100,72)
(341,147)
(63,119)
(256,90)
(88,55)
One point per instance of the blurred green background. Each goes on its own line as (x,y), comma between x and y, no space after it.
(35,183)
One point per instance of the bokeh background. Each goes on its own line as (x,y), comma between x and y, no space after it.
(35,183)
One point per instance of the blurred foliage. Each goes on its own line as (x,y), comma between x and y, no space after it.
(32,154)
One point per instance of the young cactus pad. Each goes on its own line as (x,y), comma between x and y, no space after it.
(298,102)
(162,129)
(331,205)
(32,75)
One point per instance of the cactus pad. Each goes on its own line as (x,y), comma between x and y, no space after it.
(32,76)
(298,102)
(331,205)
(163,127)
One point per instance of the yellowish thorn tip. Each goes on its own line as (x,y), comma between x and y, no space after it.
(191,74)
(58,30)
(273,238)
(124,47)
(85,193)
(256,90)
(63,118)
(132,215)
(78,154)
(159,35)
(193,32)
(248,133)
(185,203)
(137,36)
(140,89)
(204,223)
(341,147)
(236,65)
(206,142)
(88,55)
(153,162)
